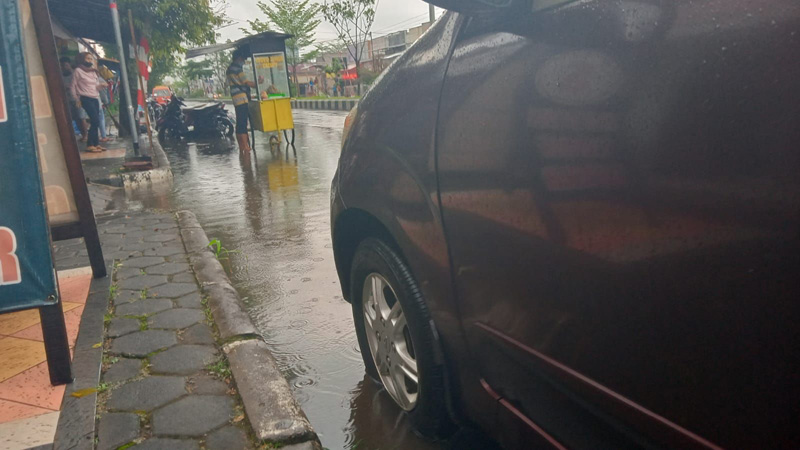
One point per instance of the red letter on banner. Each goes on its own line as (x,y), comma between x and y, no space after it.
(9,263)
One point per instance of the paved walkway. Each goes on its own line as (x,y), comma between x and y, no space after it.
(165,384)
(29,404)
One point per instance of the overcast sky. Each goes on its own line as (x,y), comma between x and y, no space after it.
(391,15)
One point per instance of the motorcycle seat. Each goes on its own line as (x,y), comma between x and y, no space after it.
(201,106)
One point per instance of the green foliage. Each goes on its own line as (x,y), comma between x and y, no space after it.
(220,369)
(367,76)
(195,70)
(352,20)
(219,63)
(295,17)
(170,26)
(334,68)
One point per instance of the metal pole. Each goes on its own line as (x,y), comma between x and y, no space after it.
(141,84)
(124,72)
(431,12)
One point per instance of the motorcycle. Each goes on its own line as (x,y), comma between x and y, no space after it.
(209,119)
(155,109)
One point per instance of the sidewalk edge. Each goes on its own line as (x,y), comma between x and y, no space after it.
(273,413)
(161,173)
(75,428)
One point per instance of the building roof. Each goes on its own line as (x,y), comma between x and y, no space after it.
(90,19)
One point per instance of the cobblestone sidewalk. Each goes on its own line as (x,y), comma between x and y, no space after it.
(165,383)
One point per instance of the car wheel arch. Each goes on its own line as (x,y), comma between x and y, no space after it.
(353,226)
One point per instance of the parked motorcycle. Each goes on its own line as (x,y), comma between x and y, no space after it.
(155,109)
(207,119)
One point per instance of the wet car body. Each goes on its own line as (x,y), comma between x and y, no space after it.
(600,202)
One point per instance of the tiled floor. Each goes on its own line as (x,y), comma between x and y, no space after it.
(110,153)
(25,389)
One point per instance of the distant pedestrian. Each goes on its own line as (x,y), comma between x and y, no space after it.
(75,111)
(240,92)
(84,87)
(102,91)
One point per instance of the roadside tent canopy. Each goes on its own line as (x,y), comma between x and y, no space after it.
(89,19)
(268,41)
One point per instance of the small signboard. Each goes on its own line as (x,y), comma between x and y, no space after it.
(27,279)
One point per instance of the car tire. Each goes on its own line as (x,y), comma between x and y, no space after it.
(375,262)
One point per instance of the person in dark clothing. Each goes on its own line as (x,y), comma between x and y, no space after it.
(240,92)
(75,112)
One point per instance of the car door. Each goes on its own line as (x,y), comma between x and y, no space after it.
(620,195)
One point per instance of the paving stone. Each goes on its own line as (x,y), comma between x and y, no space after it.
(194,415)
(183,359)
(143,343)
(168,444)
(122,254)
(143,307)
(193,300)
(198,334)
(161,237)
(143,261)
(147,394)
(124,369)
(121,326)
(207,385)
(138,247)
(142,282)
(136,235)
(227,437)
(167,250)
(127,272)
(128,295)
(178,258)
(168,269)
(168,224)
(176,319)
(187,277)
(174,290)
(116,429)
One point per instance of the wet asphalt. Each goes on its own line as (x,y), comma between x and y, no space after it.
(271,214)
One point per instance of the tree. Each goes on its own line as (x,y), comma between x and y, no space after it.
(169,25)
(219,66)
(295,17)
(352,20)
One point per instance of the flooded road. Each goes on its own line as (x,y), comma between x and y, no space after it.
(272,215)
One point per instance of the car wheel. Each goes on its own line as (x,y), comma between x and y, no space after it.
(395,332)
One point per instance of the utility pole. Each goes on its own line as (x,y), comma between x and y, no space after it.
(431,12)
(124,72)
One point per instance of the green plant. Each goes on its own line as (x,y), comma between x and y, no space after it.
(112,291)
(221,369)
(220,252)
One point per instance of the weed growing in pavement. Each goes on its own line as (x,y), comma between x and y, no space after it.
(142,272)
(143,294)
(112,291)
(220,369)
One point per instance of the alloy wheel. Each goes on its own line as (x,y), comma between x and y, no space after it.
(390,341)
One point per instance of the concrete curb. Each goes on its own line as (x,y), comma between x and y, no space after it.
(162,173)
(274,414)
(333,104)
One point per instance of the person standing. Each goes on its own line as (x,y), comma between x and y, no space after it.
(84,87)
(102,92)
(240,93)
(74,110)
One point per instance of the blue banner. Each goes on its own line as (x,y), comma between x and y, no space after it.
(27,277)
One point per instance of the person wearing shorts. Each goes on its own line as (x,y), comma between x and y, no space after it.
(240,92)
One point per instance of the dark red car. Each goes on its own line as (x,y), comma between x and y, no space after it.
(576,224)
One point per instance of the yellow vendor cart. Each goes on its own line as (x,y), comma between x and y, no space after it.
(270,102)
